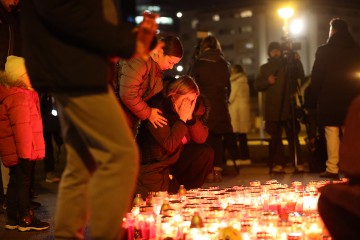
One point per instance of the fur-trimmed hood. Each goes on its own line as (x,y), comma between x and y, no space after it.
(7,81)
(8,86)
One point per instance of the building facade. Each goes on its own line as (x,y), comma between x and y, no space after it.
(244,30)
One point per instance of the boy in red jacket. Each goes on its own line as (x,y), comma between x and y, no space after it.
(21,142)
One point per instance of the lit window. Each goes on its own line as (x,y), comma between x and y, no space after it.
(246,13)
(154,8)
(165,20)
(194,23)
(249,45)
(247,29)
(216,17)
(247,61)
(160,20)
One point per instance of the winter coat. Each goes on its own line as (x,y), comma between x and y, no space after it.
(277,97)
(138,82)
(21,130)
(239,103)
(161,147)
(333,79)
(212,74)
(77,57)
(348,195)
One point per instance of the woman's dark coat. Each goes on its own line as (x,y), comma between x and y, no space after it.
(212,74)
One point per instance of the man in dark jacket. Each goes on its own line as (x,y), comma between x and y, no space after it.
(333,86)
(67,50)
(277,79)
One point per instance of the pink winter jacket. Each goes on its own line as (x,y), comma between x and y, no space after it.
(21,130)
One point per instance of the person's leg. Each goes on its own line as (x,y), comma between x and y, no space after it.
(23,175)
(244,147)
(230,144)
(341,223)
(193,165)
(24,181)
(292,131)
(274,129)
(49,153)
(102,156)
(333,143)
(5,178)
(215,141)
(12,199)
(49,160)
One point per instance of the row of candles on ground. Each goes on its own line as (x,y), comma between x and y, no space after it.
(259,211)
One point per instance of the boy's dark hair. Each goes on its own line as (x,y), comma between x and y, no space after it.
(339,25)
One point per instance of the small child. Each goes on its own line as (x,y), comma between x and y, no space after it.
(21,142)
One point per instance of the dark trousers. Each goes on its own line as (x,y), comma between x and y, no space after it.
(274,129)
(220,143)
(18,193)
(341,223)
(190,170)
(2,193)
(244,147)
(49,162)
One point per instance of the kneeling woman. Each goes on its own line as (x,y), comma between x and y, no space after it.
(177,148)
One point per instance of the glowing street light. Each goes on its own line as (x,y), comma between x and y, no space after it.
(286,13)
(296,27)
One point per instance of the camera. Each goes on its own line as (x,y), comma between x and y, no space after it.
(289,45)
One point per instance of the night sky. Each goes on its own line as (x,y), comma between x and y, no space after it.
(213,4)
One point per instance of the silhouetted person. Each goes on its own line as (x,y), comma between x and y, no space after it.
(239,108)
(67,47)
(333,86)
(212,73)
(277,79)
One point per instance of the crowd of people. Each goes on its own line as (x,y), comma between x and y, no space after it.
(119,113)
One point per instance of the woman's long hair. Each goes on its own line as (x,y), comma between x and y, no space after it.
(172,46)
(181,86)
(210,42)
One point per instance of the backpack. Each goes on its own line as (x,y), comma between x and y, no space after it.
(115,83)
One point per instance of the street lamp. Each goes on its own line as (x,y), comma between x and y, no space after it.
(286,13)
